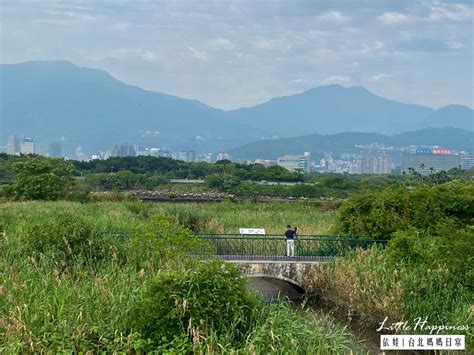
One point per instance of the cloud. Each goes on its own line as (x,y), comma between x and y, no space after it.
(455,45)
(143,54)
(379,45)
(427,44)
(429,11)
(298,81)
(222,44)
(201,55)
(334,17)
(120,26)
(337,79)
(453,12)
(393,18)
(236,53)
(272,44)
(380,76)
(70,14)
(370,49)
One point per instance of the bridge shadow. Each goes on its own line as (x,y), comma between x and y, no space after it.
(273,289)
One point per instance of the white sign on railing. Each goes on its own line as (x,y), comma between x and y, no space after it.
(257,231)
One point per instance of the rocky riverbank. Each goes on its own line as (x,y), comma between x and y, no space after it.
(201,196)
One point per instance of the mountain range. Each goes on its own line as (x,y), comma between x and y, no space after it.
(347,142)
(89,108)
(328,109)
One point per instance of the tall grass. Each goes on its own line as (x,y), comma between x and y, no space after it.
(228,217)
(369,282)
(57,296)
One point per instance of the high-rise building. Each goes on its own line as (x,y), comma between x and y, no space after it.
(190,155)
(165,153)
(467,161)
(265,162)
(55,149)
(13,145)
(205,157)
(295,162)
(123,150)
(372,164)
(28,146)
(222,156)
(80,155)
(426,161)
(97,156)
(187,155)
(155,152)
(364,164)
(382,164)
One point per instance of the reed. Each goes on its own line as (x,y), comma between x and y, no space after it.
(59,295)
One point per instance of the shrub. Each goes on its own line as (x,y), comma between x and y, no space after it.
(456,251)
(78,196)
(194,221)
(120,181)
(179,306)
(154,181)
(417,275)
(40,178)
(222,182)
(162,240)
(66,236)
(452,250)
(426,208)
(405,247)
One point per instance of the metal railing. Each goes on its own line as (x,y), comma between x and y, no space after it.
(307,248)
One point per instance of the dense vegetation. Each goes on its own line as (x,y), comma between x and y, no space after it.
(149,173)
(178,169)
(426,208)
(119,276)
(228,217)
(71,282)
(427,270)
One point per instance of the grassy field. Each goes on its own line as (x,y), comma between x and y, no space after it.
(65,286)
(68,284)
(225,217)
(228,217)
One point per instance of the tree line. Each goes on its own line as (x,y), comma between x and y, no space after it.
(35,177)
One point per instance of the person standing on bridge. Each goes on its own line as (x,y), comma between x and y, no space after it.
(290,235)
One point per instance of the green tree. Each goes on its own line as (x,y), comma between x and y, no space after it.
(222,182)
(40,178)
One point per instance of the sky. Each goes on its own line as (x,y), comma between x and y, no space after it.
(231,54)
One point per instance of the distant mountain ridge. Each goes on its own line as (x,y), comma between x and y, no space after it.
(452,115)
(90,108)
(331,109)
(339,143)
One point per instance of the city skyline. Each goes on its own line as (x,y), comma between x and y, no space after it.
(238,54)
(371,159)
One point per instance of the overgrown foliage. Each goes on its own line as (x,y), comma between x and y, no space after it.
(191,303)
(170,168)
(413,278)
(120,277)
(427,268)
(423,207)
(39,178)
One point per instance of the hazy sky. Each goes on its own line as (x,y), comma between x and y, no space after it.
(230,54)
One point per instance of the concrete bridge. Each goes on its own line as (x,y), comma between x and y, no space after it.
(263,260)
(294,272)
(278,278)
